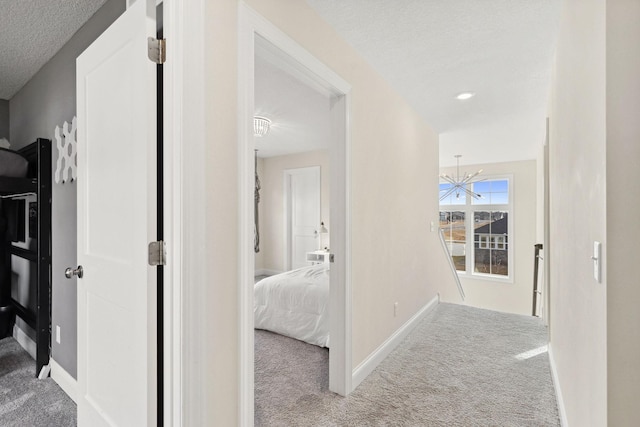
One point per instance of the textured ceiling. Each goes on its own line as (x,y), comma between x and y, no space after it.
(430,51)
(32,31)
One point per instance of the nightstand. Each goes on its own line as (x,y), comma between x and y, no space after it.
(318,257)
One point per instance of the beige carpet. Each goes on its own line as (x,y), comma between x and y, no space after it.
(461,366)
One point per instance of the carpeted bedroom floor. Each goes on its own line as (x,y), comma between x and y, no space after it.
(26,400)
(461,366)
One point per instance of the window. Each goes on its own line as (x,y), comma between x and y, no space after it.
(477,231)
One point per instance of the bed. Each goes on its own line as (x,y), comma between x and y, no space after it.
(13,164)
(295,304)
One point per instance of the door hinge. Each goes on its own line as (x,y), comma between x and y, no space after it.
(157,50)
(157,253)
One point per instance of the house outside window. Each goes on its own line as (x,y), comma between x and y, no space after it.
(478,232)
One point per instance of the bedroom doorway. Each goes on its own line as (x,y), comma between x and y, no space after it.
(276,48)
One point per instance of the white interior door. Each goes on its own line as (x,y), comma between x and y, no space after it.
(117,213)
(303,218)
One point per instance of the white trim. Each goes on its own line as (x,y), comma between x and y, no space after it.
(25,341)
(267,272)
(546,272)
(367,366)
(557,389)
(340,298)
(299,58)
(185,311)
(250,24)
(172,97)
(67,383)
(246,257)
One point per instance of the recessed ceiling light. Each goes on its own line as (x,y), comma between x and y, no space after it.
(465,95)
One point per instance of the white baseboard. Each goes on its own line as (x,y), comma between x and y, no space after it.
(367,366)
(25,341)
(66,382)
(266,272)
(558,390)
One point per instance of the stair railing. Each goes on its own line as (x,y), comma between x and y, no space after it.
(451,264)
(536,292)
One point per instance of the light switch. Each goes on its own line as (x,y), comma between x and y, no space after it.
(597,261)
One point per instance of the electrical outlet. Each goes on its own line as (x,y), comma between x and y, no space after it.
(58,334)
(395,309)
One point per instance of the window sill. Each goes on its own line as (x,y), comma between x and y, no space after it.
(486,278)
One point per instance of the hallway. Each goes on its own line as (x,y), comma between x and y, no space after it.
(461,366)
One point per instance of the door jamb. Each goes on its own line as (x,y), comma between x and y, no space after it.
(185,313)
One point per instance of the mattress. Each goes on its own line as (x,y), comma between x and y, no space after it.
(12,164)
(295,304)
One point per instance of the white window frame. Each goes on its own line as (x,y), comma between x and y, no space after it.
(469,208)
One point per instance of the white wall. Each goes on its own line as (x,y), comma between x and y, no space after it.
(272,202)
(623,204)
(498,295)
(393,155)
(218,391)
(577,154)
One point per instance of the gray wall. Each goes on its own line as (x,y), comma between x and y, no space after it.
(4,119)
(47,100)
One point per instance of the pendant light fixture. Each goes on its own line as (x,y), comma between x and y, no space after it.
(459,184)
(261,126)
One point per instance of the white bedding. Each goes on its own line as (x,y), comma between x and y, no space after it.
(295,304)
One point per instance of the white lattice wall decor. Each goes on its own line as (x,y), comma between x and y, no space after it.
(66,143)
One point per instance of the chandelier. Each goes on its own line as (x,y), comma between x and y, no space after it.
(261,126)
(459,184)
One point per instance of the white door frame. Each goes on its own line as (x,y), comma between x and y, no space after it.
(546,291)
(250,25)
(185,313)
(288,220)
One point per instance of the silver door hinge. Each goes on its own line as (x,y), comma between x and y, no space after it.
(157,253)
(157,50)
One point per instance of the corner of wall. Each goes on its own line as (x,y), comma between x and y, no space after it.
(557,388)
(368,365)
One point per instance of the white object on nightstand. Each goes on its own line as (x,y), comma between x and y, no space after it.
(318,257)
